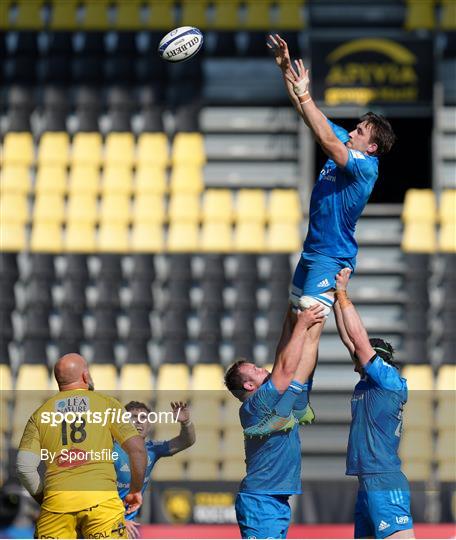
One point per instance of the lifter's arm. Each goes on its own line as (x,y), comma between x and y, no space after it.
(354,327)
(27,464)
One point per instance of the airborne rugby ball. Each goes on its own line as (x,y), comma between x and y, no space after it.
(181,44)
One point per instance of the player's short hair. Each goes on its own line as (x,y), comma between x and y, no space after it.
(384,349)
(234,379)
(136,405)
(382,133)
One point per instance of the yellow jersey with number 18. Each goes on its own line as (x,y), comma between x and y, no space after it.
(78,453)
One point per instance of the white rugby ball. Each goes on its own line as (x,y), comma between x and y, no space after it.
(181,44)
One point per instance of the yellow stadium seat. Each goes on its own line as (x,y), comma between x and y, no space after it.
(233,443)
(63,15)
(416,445)
(448,15)
(168,469)
(258,15)
(419,206)
(283,237)
(51,179)
(149,209)
(86,149)
(417,471)
(226,15)
(53,149)
(150,179)
(194,13)
(49,208)
(419,412)
(418,377)
(419,237)
(284,206)
(186,179)
(120,149)
(446,445)
(14,208)
(147,238)
(233,469)
(446,410)
(113,238)
(128,15)
(207,377)
(216,237)
(206,409)
(249,237)
(290,16)
(29,15)
(46,237)
(182,236)
(188,149)
(420,15)
(117,179)
(184,207)
(217,205)
(165,430)
(32,377)
(82,208)
(230,414)
(153,150)
(161,14)
(173,377)
(447,210)
(96,15)
(207,445)
(446,471)
(12,237)
(136,377)
(6,381)
(447,238)
(80,238)
(115,209)
(18,149)
(84,179)
(206,470)
(14,179)
(104,376)
(446,378)
(250,205)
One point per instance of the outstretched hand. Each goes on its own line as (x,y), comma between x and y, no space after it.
(299,78)
(280,49)
(342,279)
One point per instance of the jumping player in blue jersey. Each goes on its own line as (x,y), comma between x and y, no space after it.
(273,461)
(383,504)
(155,450)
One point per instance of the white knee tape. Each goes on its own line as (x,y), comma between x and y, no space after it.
(306,302)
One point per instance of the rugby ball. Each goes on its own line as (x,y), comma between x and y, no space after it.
(181,44)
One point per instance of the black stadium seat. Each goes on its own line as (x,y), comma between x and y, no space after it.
(173,352)
(141,294)
(76,267)
(42,265)
(103,351)
(34,351)
(71,325)
(143,267)
(139,323)
(105,323)
(137,352)
(8,265)
(38,293)
(74,296)
(36,323)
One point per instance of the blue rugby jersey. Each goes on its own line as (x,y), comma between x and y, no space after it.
(338,199)
(375,431)
(155,450)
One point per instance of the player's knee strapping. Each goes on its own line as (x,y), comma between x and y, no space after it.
(305,302)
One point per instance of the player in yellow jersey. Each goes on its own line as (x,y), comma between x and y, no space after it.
(73,433)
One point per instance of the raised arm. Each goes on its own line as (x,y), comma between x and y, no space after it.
(288,357)
(342,330)
(351,320)
(186,437)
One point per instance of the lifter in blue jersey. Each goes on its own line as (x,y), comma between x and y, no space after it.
(383,504)
(155,450)
(273,461)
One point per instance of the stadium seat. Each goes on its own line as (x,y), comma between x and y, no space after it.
(258,15)
(420,15)
(173,377)
(161,14)
(417,471)
(233,442)
(82,208)
(168,469)
(250,206)
(447,238)
(113,238)
(446,410)
(447,209)
(14,179)
(446,445)
(14,209)
(217,205)
(418,377)
(206,409)
(136,377)
(226,15)
(448,15)
(117,179)
(128,15)
(104,376)
(446,378)
(182,237)
(46,237)
(249,237)
(416,445)
(184,207)
(148,208)
(283,237)
(207,377)
(419,412)
(115,208)
(188,149)
(86,149)
(147,238)
(290,16)
(153,150)
(13,237)
(233,470)
(216,237)
(96,15)
(150,179)
(18,149)
(49,208)
(6,380)
(120,149)
(446,471)
(84,179)
(51,179)
(63,15)
(203,470)
(53,149)
(419,206)
(284,206)
(207,445)
(80,238)
(194,13)
(419,237)
(28,15)
(186,179)
(32,377)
